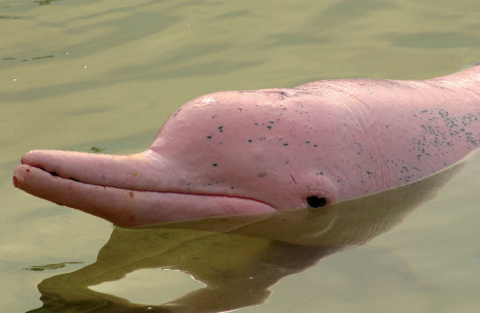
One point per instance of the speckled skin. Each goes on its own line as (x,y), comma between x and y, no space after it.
(258,151)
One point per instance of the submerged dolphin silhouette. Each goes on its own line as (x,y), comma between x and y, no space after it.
(260,151)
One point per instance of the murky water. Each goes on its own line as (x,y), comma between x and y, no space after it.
(82,74)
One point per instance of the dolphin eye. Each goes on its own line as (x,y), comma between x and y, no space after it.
(316,202)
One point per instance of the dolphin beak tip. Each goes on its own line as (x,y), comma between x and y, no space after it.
(20,176)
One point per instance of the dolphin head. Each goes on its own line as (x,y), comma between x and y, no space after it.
(227,153)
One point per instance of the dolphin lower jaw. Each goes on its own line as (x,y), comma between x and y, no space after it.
(131,208)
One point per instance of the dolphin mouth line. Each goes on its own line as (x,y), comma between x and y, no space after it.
(152,191)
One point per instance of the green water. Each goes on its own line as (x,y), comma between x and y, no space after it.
(106,74)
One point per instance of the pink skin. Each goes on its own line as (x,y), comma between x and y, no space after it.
(260,151)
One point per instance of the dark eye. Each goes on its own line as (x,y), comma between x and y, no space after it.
(316,202)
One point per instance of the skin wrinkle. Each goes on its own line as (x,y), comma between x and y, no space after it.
(384,179)
(369,132)
(472,91)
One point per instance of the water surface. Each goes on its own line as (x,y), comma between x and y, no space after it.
(82,74)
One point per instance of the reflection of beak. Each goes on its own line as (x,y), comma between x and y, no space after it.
(236,270)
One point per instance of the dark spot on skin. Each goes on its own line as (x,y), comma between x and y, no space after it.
(209,137)
(270,122)
(176,113)
(285,144)
(320,173)
(220,129)
(316,202)
(315,146)
(214,164)
(249,140)
(262,174)
(307,141)
(269,127)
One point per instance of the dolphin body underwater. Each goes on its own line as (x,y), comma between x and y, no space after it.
(262,151)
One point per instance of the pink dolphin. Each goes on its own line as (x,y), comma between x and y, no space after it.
(260,151)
